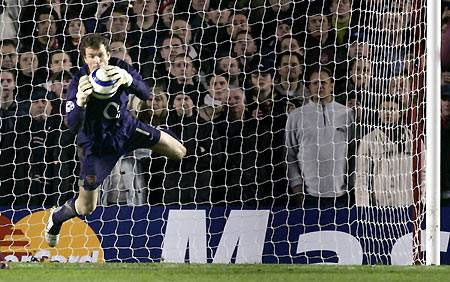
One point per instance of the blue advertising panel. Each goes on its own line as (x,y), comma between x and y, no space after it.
(221,234)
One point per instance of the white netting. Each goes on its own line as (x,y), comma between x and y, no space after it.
(310,109)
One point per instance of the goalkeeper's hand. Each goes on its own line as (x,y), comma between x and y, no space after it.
(84,91)
(122,76)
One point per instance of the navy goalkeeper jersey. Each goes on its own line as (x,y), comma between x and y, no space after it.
(103,126)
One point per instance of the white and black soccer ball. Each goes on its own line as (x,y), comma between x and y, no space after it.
(103,87)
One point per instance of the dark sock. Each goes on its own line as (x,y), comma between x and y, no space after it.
(65,212)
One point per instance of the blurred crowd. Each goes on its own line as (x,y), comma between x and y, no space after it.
(278,102)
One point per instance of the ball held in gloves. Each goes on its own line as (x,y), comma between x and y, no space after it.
(102,85)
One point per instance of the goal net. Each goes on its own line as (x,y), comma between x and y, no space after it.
(302,120)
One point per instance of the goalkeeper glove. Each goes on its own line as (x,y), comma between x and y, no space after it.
(84,91)
(122,76)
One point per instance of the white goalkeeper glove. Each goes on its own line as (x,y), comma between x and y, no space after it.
(84,91)
(122,76)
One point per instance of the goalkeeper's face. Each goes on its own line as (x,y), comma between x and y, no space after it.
(96,58)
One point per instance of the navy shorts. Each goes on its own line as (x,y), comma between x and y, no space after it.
(96,167)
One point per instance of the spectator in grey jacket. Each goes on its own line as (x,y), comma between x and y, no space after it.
(317,140)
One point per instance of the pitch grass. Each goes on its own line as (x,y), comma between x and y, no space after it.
(218,272)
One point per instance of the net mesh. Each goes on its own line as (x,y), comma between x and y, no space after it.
(312,110)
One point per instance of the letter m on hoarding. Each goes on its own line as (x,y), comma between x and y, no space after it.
(245,229)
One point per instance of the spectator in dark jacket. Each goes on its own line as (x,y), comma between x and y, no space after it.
(320,45)
(9,113)
(289,78)
(38,133)
(154,112)
(47,34)
(271,107)
(75,29)
(183,77)
(189,181)
(58,85)
(143,31)
(246,179)
(29,75)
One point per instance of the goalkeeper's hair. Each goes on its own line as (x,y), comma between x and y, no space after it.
(94,41)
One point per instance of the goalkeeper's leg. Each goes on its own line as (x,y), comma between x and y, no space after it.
(84,204)
(93,171)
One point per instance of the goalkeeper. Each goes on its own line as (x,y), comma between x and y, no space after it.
(105,129)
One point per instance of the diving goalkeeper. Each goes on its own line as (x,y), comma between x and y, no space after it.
(105,129)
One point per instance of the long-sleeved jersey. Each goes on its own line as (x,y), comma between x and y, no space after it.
(104,125)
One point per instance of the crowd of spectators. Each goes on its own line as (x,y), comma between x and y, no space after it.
(271,99)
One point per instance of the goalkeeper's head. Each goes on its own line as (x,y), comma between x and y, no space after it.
(95,50)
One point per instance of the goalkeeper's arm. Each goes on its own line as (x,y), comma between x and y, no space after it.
(129,78)
(78,94)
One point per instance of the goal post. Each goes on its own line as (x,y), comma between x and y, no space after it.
(433,183)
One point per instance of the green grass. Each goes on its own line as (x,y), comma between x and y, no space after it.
(218,272)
